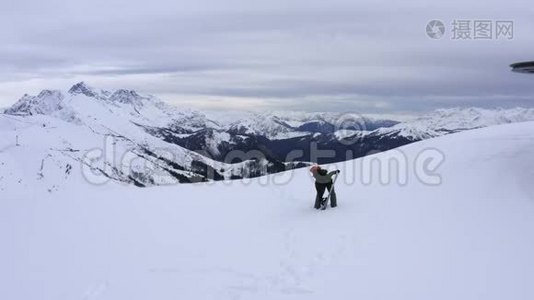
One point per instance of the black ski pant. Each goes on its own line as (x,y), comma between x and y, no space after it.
(321,187)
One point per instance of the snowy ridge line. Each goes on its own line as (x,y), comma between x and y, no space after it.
(158,144)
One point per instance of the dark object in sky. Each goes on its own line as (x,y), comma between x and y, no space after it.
(523,67)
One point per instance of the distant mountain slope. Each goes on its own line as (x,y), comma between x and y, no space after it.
(444,121)
(63,128)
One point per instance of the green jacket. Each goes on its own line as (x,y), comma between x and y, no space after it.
(323,176)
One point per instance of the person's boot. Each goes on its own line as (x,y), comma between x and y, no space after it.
(317,202)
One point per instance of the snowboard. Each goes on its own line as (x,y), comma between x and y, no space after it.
(325,200)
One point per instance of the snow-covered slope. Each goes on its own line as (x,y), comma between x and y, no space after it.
(136,139)
(436,123)
(60,134)
(152,143)
(466,238)
(445,121)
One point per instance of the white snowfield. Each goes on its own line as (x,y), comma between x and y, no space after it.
(469,237)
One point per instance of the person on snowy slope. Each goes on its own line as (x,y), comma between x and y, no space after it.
(323,181)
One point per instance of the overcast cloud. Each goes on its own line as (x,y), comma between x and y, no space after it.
(367,56)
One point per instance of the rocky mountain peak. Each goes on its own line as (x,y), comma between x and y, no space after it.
(83,88)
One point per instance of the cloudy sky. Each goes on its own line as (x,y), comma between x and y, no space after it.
(366,56)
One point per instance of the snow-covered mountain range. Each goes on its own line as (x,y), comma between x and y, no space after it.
(445,121)
(137,139)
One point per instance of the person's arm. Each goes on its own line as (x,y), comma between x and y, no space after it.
(330,174)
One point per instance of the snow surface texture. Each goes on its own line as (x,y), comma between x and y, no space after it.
(469,237)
